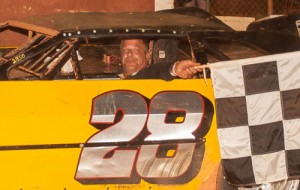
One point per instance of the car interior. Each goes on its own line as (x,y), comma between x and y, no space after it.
(99,58)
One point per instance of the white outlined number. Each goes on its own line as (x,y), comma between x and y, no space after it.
(124,116)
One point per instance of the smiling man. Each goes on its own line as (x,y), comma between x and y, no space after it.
(134,56)
(135,59)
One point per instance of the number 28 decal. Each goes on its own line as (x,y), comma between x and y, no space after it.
(162,138)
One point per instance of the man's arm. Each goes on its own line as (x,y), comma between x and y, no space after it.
(155,71)
(168,71)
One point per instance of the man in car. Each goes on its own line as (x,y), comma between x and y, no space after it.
(135,59)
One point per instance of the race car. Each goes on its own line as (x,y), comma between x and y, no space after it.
(69,122)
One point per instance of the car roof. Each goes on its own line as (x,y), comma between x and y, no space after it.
(187,19)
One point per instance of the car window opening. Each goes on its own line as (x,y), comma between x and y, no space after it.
(100,58)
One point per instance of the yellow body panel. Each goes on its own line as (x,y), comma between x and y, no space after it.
(58,112)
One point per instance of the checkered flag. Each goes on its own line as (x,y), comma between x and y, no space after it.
(258,118)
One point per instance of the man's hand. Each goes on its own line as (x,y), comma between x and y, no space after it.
(186,69)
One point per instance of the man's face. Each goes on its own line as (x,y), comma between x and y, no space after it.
(133,56)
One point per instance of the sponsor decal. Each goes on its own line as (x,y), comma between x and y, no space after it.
(18,58)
